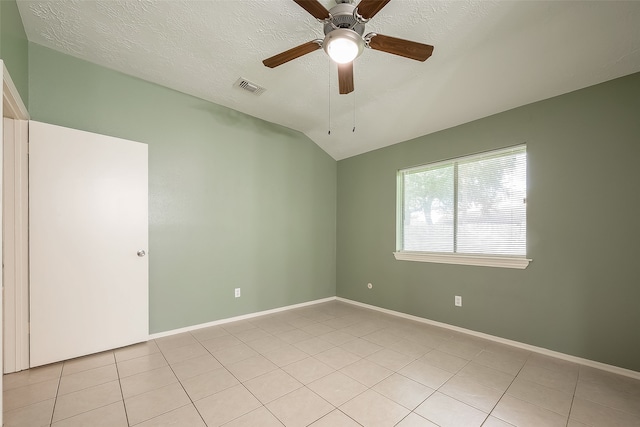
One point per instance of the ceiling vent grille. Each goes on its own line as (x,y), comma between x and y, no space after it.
(249,86)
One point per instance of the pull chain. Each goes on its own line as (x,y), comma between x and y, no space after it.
(354,111)
(329,93)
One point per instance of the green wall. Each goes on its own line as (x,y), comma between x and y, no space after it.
(13,47)
(233,201)
(580,294)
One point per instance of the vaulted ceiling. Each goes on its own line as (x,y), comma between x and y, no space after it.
(490,56)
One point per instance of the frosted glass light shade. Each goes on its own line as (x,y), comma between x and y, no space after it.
(343,45)
(342,50)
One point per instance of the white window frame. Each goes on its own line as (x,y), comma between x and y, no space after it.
(518,262)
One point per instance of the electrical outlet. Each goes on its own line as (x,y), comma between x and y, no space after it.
(458,301)
(237,292)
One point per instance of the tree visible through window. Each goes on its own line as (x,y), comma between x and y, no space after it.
(470,205)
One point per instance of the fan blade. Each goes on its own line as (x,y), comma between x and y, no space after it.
(290,54)
(368,8)
(345,78)
(401,47)
(314,8)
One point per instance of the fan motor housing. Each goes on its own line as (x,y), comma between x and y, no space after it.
(342,17)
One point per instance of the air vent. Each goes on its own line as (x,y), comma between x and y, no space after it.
(249,86)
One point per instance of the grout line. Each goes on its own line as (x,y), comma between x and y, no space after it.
(180,382)
(507,389)
(55,402)
(126,413)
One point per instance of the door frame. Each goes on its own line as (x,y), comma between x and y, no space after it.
(14,108)
(14,316)
(15,254)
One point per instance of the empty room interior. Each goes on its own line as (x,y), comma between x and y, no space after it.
(212,218)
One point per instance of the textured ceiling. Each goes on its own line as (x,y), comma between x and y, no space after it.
(489,57)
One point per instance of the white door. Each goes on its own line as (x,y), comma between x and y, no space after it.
(88,230)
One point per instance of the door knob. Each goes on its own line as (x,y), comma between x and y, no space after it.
(141,253)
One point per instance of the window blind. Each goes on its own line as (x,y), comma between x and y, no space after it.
(469,205)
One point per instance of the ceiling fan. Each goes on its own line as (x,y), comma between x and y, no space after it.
(344,41)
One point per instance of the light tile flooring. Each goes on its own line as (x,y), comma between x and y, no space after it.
(329,365)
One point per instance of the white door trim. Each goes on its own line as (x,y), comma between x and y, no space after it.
(14,108)
(15,241)
(15,190)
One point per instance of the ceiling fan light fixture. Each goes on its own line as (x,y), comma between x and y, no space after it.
(344,26)
(343,45)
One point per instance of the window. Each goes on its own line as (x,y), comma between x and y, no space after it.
(470,210)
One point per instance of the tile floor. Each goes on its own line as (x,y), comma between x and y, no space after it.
(327,365)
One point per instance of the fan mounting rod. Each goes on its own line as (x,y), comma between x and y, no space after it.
(343,15)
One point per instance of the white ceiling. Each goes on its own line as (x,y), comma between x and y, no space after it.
(490,56)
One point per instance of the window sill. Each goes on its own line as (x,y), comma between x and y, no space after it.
(478,260)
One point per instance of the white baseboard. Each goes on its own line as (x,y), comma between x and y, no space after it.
(533,348)
(236,318)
